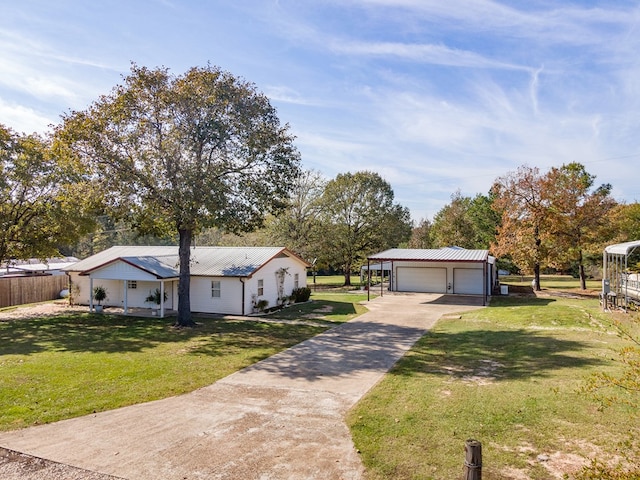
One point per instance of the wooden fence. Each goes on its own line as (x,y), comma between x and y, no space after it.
(32,289)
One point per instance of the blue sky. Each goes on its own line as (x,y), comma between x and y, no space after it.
(434,95)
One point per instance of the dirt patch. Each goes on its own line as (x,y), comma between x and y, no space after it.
(319,312)
(49,309)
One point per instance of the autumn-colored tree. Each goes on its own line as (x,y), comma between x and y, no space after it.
(45,204)
(578,216)
(178,154)
(519,198)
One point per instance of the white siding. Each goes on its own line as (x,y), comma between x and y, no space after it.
(268,274)
(229,302)
(122,271)
(115,292)
(431,275)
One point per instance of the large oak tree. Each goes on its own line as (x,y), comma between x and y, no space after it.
(184,153)
(44,202)
(578,215)
(358,218)
(519,198)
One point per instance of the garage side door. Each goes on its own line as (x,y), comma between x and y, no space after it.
(467,281)
(415,279)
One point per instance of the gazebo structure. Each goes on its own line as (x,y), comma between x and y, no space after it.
(619,286)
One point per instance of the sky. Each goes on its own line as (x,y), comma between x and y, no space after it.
(436,96)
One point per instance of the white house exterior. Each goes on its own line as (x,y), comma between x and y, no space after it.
(455,271)
(224,280)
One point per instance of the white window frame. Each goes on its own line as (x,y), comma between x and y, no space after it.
(260,287)
(216,289)
(132,284)
(296,281)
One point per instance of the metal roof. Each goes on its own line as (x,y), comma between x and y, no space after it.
(205,261)
(622,248)
(432,255)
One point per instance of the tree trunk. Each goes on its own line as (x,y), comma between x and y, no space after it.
(583,279)
(347,275)
(184,279)
(536,277)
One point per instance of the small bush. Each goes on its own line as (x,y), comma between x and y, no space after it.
(301,294)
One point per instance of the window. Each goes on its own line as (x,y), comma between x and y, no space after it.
(260,288)
(215,288)
(296,281)
(132,284)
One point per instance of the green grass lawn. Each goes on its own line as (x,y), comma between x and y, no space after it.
(509,375)
(59,367)
(551,282)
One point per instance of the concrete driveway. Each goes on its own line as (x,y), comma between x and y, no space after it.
(282,418)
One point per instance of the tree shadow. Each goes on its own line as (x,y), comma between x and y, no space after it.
(116,333)
(520,301)
(495,355)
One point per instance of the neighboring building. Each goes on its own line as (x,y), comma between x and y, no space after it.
(224,280)
(34,266)
(446,270)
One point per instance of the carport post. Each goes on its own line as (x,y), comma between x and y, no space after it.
(90,293)
(126,296)
(368,280)
(161,298)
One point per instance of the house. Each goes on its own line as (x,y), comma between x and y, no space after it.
(448,270)
(224,280)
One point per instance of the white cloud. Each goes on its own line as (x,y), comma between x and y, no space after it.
(23,119)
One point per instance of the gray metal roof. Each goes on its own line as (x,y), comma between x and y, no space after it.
(622,248)
(432,255)
(205,261)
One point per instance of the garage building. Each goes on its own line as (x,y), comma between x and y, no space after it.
(450,270)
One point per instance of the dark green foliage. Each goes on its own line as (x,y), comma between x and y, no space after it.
(301,294)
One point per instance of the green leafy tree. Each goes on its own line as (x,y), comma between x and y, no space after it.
(297,225)
(45,204)
(358,218)
(178,154)
(626,218)
(421,235)
(466,222)
(578,215)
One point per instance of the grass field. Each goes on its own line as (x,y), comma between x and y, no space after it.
(59,367)
(509,375)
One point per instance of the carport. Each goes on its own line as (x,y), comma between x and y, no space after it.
(450,270)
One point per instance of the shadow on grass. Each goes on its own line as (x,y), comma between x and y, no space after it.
(496,355)
(113,333)
(520,301)
(314,310)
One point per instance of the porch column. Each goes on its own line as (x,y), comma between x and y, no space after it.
(161,298)
(126,296)
(90,293)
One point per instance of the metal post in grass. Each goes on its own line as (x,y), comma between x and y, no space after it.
(472,460)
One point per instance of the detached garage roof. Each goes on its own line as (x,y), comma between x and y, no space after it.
(432,255)
(205,261)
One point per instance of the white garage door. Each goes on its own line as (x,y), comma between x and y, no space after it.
(414,279)
(467,281)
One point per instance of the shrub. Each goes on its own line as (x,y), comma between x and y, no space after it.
(301,294)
